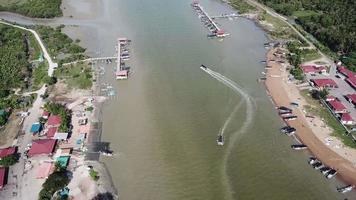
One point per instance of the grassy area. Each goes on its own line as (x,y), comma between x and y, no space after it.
(33,8)
(279,28)
(315,108)
(35,49)
(304,13)
(309,54)
(39,75)
(242,6)
(76,76)
(57,42)
(8,3)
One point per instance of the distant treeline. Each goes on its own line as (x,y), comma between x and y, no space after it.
(36,8)
(332,22)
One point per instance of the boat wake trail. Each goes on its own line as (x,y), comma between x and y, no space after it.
(228,120)
(248,119)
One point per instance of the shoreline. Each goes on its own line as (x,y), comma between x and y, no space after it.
(280,93)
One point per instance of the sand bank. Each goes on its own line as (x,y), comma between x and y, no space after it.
(311,133)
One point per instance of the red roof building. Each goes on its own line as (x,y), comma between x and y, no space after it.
(44,146)
(324,83)
(351,81)
(3,177)
(7,151)
(312,69)
(347,119)
(51,132)
(54,121)
(337,106)
(351,98)
(346,72)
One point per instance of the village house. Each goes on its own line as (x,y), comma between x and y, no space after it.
(346,119)
(323,83)
(42,146)
(313,69)
(337,106)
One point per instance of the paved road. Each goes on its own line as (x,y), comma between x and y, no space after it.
(51,65)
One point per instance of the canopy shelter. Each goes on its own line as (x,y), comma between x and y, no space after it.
(36,128)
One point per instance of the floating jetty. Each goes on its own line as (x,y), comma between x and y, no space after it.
(215,30)
(122,72)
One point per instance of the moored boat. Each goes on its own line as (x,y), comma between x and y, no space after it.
(317,165)
(312,160)
(331,173)
(345,189)
(324,170)
(288,130)
(290,118)
(299,146)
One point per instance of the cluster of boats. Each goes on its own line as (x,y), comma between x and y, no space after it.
(286,113)
(328,172)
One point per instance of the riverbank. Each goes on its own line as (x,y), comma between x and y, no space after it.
(311,132)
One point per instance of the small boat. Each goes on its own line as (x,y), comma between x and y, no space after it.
(324,170)
(107,153)
(312,160)
(299,146)
(281,112)
(220,140)
(290,118)
(203,67)
(317,165)
(331,173)
(283,108)
(345,189)
(263,61)
(288,130)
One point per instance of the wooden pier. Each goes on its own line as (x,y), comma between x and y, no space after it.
(214,29)
(121,71)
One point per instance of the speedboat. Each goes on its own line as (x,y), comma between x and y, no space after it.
(299,146)
(331,173)
(203,67)
(345,189)
(220,140)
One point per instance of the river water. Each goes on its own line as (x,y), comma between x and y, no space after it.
(164,121)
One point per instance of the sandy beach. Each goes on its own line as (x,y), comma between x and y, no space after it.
(312,133)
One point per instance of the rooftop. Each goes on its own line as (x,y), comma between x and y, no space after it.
(54,120)
(346,117)
(44,146)
(352,97)
(51,132)
(337,105)
(324,82)
(7,151)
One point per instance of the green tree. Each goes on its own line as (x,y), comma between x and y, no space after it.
(8,160)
